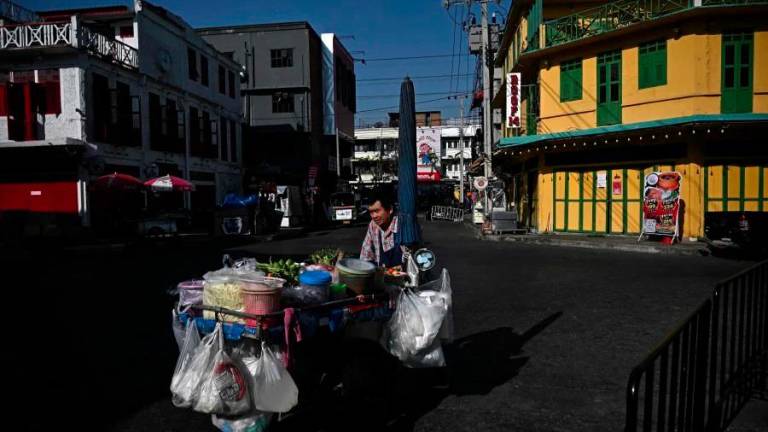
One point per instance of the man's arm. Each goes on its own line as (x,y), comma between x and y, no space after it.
(367,252)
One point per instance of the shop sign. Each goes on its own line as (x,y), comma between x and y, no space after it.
(427,148)
(617,184)
(661,203)
(602,181)
(513,100)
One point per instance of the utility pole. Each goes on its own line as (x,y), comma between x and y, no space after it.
(486,55)
(461,152)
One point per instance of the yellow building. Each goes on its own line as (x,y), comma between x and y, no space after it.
(613,91)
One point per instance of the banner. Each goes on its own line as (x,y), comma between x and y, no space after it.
(427,150)
(661,203)
(513,100)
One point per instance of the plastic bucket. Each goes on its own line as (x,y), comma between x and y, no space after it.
(261,295)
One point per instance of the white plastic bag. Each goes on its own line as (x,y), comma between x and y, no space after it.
(273,388)
(414,328)
(179,332)
(224,388)
(442,285)
(253,422)
(184,382)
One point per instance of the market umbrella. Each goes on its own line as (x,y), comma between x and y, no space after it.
(169,183)
(117,181)
(406,189)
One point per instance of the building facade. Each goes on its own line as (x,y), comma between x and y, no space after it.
(608,97)
(298,98)
(114,89)
(375,156)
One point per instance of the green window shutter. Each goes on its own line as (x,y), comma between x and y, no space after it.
(652,64)
(570,80)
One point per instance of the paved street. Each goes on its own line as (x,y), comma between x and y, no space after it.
(546,335)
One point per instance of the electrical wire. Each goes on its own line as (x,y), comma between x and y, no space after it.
(411,77)
(421,57)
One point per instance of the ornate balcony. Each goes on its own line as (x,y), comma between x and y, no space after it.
(617,15)
(56,34)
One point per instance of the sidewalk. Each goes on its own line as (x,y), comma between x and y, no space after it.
(626,243)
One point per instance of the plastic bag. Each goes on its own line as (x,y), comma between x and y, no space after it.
(273,388)
(185,381)
(412,332)
(253,422)
(224,388)
(179,332)
(442,285)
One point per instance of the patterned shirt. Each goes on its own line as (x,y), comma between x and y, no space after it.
(370,250)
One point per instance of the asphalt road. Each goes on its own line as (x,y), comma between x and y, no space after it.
(546,336)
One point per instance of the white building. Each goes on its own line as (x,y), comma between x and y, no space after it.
(93,91)
(375,156)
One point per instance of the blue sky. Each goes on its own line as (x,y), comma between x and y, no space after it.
(380,28)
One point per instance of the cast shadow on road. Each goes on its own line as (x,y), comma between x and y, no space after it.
(476,364)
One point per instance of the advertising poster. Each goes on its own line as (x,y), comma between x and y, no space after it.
(427,151)
(661,203)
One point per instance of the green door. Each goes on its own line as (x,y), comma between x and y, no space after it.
(609,88)
(737,72)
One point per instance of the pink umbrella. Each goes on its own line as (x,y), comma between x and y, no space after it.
(169,183)
(117,181)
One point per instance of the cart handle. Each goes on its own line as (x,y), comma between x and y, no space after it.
(363,298)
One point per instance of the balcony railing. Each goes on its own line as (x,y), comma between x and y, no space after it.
(35,35)
(108,48)
(53,34)
(617,15)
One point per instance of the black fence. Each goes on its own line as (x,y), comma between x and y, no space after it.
(704,372)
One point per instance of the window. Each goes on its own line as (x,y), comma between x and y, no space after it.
(101,107)
(155,123)
(222,80)
(570,80)
(233,141)
(224,139)
(172,127)
(737,72)
(194,131)
(282,102)
(204,70)
(231,76)
(652,64)
(192,63)
(282,57)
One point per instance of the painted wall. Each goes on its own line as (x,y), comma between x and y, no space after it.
(689,90)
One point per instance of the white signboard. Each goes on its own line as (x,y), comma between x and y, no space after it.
(427,149)
(513,100)
(602,181)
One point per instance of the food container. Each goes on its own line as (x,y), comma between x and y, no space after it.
(315,284)
(357,274)
(260,295)
(222,291)
(190,293)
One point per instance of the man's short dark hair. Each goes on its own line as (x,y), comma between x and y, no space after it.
(384,197)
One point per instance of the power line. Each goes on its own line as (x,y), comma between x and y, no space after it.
(417,102)
(398,94)
(411,77)
(424,57)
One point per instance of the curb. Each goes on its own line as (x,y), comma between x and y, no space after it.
(585,244)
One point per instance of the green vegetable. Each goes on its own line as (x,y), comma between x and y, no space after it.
(285,269)
(325,256)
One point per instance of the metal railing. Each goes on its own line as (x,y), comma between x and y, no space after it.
(452,214)
(52,34)
(107,48)
(616,15)
(703,373)
(35,35)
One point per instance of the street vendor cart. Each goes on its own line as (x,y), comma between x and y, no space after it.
(275,350)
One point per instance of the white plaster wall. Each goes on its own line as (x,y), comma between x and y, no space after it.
(69,123)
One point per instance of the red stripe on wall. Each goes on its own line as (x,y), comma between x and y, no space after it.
(53,197)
